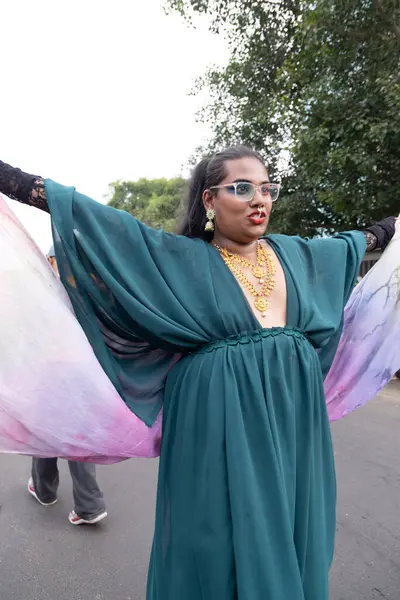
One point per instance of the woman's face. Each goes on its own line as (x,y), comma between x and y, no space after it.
(236,220)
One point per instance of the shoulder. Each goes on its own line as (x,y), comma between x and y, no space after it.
(341,243)
(326,260)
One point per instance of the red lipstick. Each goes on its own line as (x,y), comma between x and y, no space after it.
(257,217)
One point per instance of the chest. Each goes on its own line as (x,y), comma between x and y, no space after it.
(275,314)
(263,284)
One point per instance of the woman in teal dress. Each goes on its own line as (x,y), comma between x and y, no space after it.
(231,333)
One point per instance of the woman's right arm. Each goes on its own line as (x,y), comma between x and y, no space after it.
(26,188)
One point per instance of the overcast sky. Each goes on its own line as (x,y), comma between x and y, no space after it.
(92,92)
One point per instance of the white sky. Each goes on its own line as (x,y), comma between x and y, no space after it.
(94,91)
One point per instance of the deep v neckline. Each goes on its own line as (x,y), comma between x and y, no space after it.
(291,294)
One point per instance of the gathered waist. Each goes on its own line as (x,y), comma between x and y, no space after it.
(248,337)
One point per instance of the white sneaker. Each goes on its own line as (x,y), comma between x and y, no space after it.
(31,490)
(75,519)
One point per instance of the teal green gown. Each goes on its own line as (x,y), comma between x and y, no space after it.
(246,490)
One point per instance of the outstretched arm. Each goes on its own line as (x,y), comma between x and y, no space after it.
(29,189)
(26,188)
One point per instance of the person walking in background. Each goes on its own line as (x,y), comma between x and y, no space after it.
(43,483)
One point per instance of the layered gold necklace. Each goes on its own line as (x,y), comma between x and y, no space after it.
(264,270)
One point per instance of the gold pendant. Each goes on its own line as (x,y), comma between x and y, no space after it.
(258,272)
(261,304)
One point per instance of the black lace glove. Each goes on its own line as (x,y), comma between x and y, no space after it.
(26,188)
(379,235)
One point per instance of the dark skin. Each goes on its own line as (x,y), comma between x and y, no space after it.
(237,231)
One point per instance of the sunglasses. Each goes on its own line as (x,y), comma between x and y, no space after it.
(245,191)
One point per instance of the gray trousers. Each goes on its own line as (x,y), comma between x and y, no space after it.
(88,498)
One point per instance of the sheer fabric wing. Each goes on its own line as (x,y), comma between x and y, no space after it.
(55,399)
(369,350)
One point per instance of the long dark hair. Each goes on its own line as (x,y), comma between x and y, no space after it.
(209,172)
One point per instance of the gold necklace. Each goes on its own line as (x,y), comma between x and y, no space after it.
(264,270)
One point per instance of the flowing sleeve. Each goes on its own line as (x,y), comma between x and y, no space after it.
(354,328)
(139,294)
(324,272)
(338,261)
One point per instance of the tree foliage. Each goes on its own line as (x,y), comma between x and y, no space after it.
(156,202)
(314,86)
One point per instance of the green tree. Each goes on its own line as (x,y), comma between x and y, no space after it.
(345,84)
(316,88)
(156,202)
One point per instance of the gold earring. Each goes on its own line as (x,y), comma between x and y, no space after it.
(210,223)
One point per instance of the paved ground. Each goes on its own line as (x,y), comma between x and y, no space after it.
(367,445)
(42,557)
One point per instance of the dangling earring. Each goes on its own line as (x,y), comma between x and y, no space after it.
(210,223)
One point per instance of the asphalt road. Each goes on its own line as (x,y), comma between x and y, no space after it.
(367,448)
(42,557)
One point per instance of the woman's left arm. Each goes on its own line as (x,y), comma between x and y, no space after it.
(379,235)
